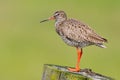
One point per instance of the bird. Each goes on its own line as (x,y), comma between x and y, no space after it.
(76,34)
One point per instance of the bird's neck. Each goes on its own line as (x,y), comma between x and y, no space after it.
(59,23)
(60,20)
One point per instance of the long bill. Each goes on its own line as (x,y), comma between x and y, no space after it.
(51,18)
(43,20)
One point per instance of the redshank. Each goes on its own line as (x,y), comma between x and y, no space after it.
(75,33)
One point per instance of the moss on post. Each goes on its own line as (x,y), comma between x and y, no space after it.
(55,72)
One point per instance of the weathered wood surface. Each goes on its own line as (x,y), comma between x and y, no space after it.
(55,72)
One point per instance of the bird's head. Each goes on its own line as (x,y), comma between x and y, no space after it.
(57,16)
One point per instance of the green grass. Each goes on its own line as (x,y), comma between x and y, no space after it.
(25,44)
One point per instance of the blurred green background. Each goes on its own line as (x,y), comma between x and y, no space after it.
(25,44)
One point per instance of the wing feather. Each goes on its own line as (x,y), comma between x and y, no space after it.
(80,32)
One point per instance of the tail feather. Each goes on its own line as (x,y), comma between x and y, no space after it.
(100,45)
(105,40)
(97,39)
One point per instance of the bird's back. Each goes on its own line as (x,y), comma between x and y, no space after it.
(75,31)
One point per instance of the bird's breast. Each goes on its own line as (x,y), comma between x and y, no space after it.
(58,28)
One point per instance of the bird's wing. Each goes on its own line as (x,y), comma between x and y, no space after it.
(78,31)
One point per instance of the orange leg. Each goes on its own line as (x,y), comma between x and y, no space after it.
(79,53)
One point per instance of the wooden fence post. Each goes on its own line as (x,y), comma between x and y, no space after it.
(55,72)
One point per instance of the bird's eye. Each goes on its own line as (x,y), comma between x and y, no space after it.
(58,14)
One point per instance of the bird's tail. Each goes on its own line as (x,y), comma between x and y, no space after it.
(105,40)
(100,45)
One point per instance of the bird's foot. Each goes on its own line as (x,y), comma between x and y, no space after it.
(74,69)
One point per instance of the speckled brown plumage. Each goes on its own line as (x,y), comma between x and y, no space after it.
(76,34)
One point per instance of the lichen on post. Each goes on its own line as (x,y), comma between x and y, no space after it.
(55,72)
